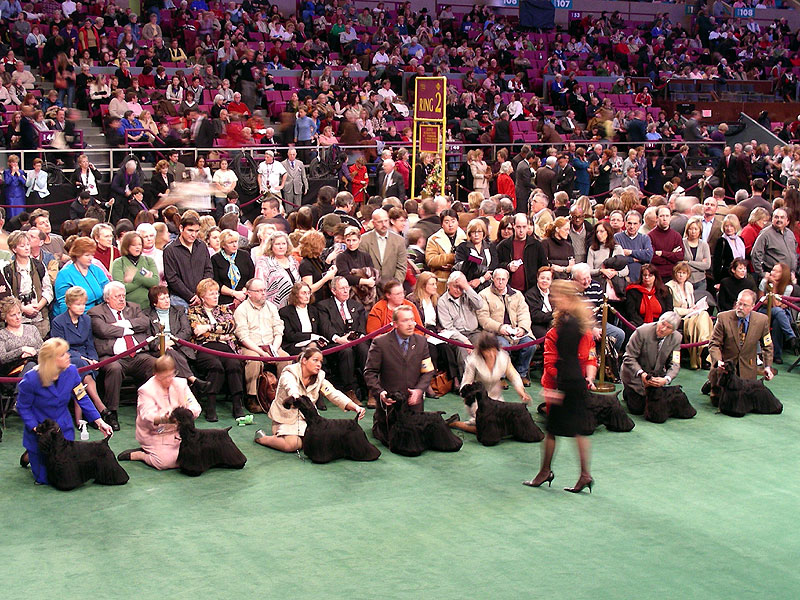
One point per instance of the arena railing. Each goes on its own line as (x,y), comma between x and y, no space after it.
(455,152)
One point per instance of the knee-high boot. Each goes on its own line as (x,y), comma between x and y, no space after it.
(236,405)
(211,408)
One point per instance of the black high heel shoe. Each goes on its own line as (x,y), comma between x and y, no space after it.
(580,485)
(548,480)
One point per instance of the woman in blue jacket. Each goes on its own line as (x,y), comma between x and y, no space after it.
(44,393)
(14,180)
(581,166)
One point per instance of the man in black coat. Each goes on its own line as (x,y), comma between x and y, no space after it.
(546,177)
(501,134)
(565,175)
(122,185)
(521,255)
(399,361)
(523,183)
(680,165)
(341,320)
(202,130)
(637,128)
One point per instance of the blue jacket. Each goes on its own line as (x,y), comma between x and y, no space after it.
(79,338)
(93,283)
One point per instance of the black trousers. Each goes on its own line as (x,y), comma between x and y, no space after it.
(139,366)
(221,372)
(347,367)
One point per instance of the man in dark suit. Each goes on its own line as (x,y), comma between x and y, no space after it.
(398,361)
(429,222)
(501,133)
(523,182)
(119,325)
(680,165)
(341,320)
(565,175)
(637,128)
(122,186)
(546,177)
(202,130)
(390,182)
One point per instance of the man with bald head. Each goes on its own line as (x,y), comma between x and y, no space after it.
(386,248)
(390,182)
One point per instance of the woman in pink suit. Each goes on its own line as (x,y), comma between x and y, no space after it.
(156,431)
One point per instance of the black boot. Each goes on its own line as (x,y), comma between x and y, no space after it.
(110,417)
(211,408)
(200,386)
(238,411)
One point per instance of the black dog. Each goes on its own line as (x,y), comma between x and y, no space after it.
(660,403)
(605,409)
(408,432)
(204,449)
(70,464)
(737,397)
(495,420)
(328,439)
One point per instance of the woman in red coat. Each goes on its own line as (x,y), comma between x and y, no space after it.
(569,369)
(505,185)
(358,172)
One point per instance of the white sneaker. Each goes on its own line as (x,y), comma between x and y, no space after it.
(83,427)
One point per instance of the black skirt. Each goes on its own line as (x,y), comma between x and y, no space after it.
(566,419)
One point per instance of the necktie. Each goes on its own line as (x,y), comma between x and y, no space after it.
(341,311)
(742,331)
(292,164)
(386,181)
(129,341)
(404,346)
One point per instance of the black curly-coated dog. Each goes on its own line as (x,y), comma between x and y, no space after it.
(204,449)
(497,420)
(737,397)
(605,409)
(408,432)
(659,403)
(328,439)
(70,464)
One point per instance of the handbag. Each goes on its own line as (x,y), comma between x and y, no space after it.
(60,82)
(265,391)
(441,384)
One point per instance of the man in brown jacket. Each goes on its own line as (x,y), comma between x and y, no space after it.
(736,337)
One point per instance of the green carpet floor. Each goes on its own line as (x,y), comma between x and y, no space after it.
(705,508)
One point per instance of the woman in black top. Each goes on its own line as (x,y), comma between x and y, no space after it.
(352,258)
(233,268)
(299,320)
(730,286)
(476,257)
(558,248)
(602,179)
(314,271)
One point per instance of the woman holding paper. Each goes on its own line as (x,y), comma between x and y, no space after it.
(697,325)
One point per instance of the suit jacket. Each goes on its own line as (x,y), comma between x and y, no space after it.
(725,344)
(120,208)
(565,179)
(642,353)
(389,370)
(396,187)
(331,322)
(546,181)
(541,318)
(178,326)
(292,331)
(106,333)
(158,186)
(204,136)
(715,233)
(296,180)
(523,184)
(394,256)
(679,167)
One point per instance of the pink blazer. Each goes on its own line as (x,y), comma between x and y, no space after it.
(153,403)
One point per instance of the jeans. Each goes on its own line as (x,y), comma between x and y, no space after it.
(523,357)
(67,96)
(617,336)
(781,328)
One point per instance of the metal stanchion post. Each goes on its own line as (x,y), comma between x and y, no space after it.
(602,386)
(162,342)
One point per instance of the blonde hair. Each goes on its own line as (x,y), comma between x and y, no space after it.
(476,224)
(556,224)
(205,286)
(74,294)
(474,199)
(569,303)
(48,369)
(280,234)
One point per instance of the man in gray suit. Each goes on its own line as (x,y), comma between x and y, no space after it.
(296,185)
(386,248)
(524,182)
(652,359)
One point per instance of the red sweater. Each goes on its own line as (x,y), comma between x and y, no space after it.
(670,243)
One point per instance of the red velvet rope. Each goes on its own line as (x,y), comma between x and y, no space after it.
(95,366)
(38,204)
(471,347)
(325,352)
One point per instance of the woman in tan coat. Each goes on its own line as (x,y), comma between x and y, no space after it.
(303,378)
(440,251)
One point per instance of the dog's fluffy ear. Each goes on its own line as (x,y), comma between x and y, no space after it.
(290,402)
(471,389)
